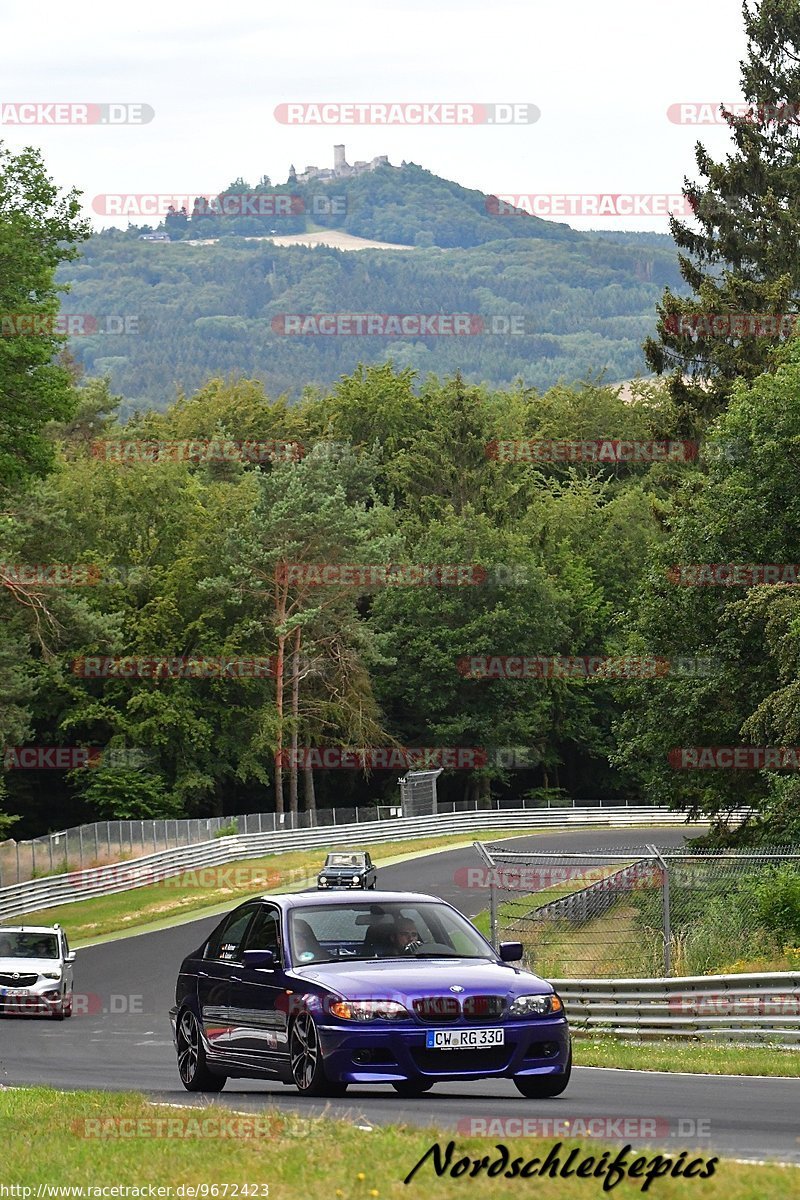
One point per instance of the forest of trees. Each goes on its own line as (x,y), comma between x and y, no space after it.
(347,459)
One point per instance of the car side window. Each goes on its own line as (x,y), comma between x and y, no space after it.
(265,932)
(66,943)
(225,941)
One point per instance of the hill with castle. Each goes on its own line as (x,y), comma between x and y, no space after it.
(551,303)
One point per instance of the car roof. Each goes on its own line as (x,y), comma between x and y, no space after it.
(29,928)
(307,899)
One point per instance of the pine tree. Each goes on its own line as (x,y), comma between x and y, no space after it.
(742,255)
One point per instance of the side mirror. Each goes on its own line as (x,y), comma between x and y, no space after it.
(259,960)
(70,957)
(511,951)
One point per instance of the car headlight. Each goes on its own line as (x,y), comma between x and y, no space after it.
(356,878)
(322,880)
(369,1010)
(51,974)
(535,1006)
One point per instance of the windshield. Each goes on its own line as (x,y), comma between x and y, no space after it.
(28,945)
(344,860)
(323,933)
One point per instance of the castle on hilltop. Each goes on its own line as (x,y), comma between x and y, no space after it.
(341,169)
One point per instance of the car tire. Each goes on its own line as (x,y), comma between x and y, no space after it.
(305,1060)
(408,1088)
(192,1064)
(68,1005)
(540,1087)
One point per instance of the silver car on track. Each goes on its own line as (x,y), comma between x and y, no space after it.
(36,971)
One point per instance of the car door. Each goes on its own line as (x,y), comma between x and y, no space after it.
(215,973)
(372,874)
(258,1011)
(67,968)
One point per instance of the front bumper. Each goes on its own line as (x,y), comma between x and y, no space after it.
(34,1001)
(387,1054)
(346,884)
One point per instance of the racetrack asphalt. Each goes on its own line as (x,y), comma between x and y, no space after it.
(123,1042)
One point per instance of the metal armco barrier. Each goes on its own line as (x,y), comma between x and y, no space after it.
(592,901)
(731,1008)
(120,877)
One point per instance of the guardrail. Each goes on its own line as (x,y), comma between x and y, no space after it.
(593,900)
(733,1008)
(55,890)
(82,846)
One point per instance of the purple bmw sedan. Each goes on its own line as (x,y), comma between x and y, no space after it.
(322,991)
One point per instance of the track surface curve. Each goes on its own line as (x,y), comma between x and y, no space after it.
(124,1043)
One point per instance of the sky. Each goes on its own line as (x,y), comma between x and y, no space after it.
(602,75)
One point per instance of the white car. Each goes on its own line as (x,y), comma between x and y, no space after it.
(36,972)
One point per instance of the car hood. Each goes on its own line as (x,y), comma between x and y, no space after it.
(342,870)
(395,979)
(28,966)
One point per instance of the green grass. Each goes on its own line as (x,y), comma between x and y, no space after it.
(699,1056)
(45,1143)
(211,889)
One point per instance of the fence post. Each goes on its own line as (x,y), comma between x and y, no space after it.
(666,922)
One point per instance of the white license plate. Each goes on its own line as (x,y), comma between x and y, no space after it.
(463,1039)
(13,991)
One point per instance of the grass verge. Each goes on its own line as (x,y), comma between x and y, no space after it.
(696,1057)
(297,1159)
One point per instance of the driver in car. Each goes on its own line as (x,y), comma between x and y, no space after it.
(406,936)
